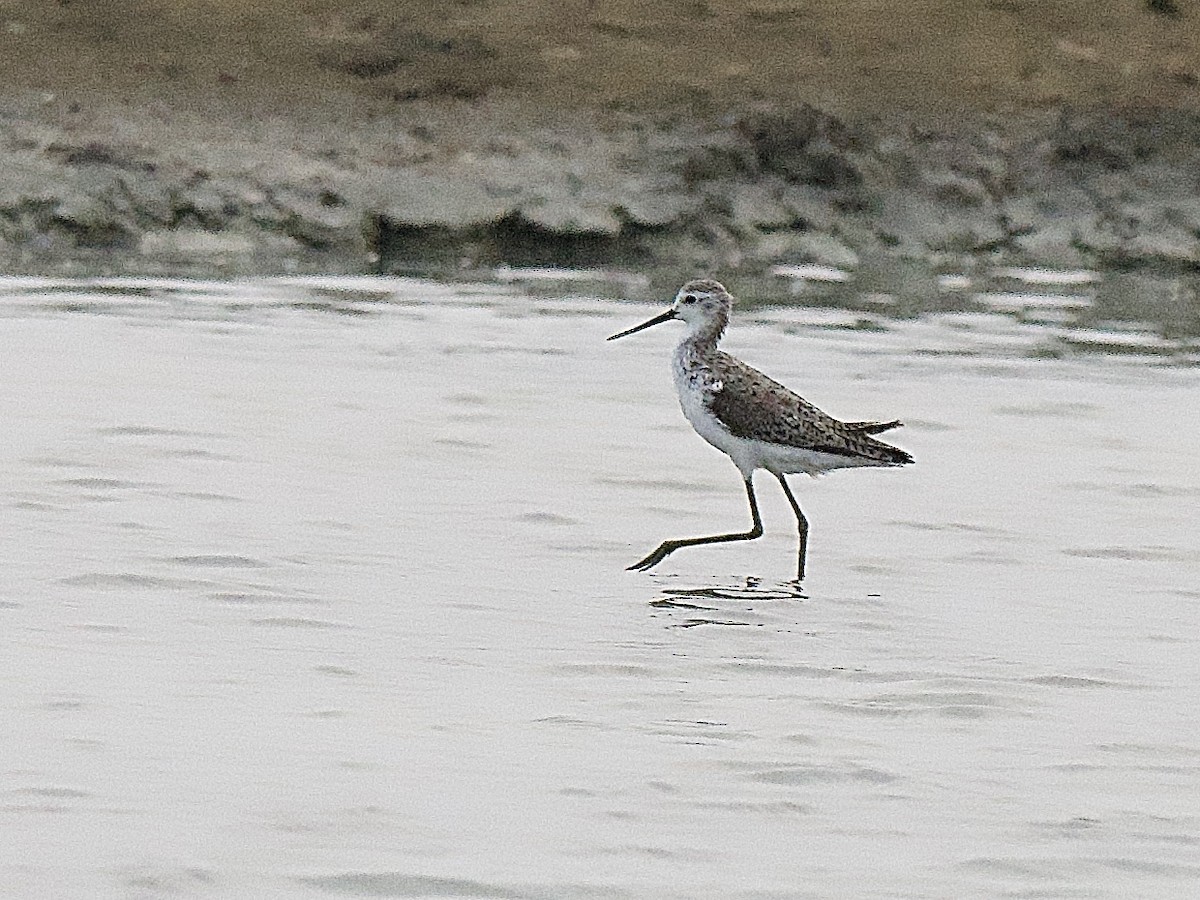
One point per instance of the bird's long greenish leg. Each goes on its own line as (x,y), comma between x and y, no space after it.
(801,527)
(666,548)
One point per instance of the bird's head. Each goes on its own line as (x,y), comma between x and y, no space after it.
(703,304)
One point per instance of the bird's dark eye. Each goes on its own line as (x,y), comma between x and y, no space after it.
(689,299)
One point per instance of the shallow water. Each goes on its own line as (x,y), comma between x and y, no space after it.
(316,588)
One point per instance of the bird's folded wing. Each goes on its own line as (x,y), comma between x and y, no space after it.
(755,407)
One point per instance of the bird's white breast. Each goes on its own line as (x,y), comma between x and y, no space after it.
(696,384)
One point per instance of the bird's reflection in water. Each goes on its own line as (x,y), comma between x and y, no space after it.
(731,602)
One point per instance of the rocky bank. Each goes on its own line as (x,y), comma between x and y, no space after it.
(420,149)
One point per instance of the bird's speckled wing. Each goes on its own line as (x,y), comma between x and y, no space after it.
(753,406)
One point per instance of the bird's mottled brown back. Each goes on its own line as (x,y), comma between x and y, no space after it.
(753,406)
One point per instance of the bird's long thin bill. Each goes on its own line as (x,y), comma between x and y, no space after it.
(661,317)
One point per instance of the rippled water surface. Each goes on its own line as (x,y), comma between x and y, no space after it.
(315,588)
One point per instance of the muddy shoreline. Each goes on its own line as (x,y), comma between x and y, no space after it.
(742,194)
(400,148)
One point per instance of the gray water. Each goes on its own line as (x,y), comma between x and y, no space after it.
(315,588)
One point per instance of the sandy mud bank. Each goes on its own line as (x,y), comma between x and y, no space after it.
(205,137)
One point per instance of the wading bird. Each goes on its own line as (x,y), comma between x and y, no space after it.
(758,422)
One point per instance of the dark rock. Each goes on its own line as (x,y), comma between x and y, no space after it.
(805,147)
(1168,8)
(513,240)
(96,153)
(92,225)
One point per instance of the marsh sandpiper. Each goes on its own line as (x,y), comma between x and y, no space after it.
(758,422)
